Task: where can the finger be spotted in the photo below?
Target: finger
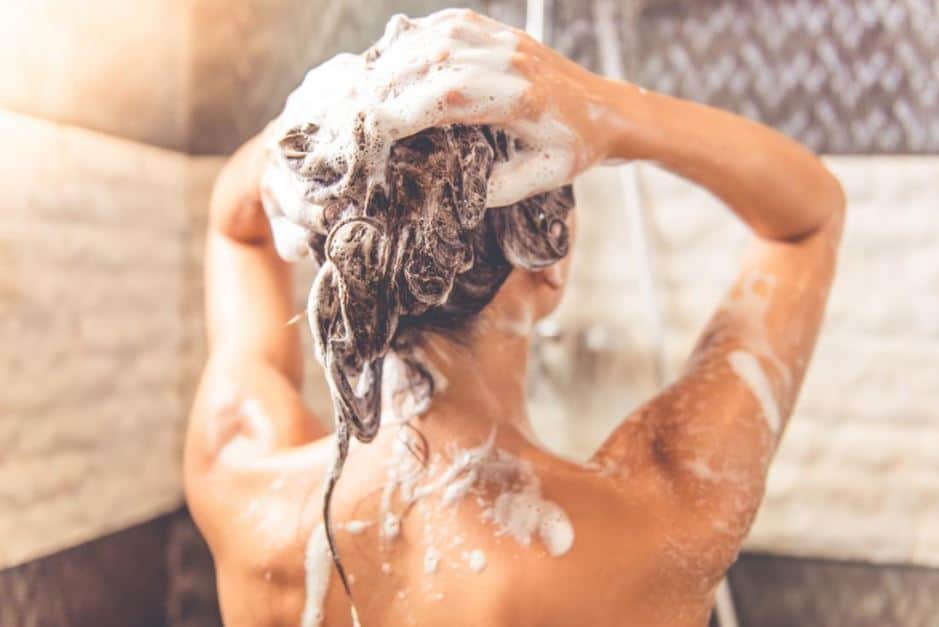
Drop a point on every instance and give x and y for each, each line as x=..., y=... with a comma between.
x=475, y=98
x=530, y=172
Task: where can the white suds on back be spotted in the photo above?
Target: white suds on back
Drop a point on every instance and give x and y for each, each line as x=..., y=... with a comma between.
x=524, y=513
x=390, y=526
x=518, y=509
x=519, y=514
x=459, y=488
x=748, y=368
x=431, y=560
x=476, y=560
x=318, y=565
x=356, y=527
x=555, y=529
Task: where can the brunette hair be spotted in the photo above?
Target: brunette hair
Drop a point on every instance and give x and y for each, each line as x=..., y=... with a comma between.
x=414, y=253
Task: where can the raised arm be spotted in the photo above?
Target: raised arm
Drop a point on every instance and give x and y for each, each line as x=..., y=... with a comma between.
x=248, y=403
x=713, y=432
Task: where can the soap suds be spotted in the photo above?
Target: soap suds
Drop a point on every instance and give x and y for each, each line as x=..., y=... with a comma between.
x=555, y=529
x=390, y=526
x=748, y=368
x=356, y=527
x=318, y=565
x=459, y=488
x=518, y=509
x=431, y=560
x=748, y=309
x=704, y=470
x=476, y=560
x=518, y=514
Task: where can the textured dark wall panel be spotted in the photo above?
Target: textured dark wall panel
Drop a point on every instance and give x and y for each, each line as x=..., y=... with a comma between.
x=115, y=581
x=774, y=591
x=191, y=599
x=842, y=77
x=157, y=574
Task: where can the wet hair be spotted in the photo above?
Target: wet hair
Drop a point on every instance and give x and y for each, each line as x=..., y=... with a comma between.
x=413, y=253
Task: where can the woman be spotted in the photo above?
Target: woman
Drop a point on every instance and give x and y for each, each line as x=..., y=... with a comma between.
x=457, y=517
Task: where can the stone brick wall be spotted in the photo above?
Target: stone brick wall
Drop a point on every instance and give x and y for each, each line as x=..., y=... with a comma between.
x=100, y=308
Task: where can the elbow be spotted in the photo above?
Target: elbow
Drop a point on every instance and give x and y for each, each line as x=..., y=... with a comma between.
x=237, y=213
x=825, y=204
x=235, y=207
x=836, y=207
x=835, y=199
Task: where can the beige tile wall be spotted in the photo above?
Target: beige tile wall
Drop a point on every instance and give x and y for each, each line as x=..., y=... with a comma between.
x=96, y=316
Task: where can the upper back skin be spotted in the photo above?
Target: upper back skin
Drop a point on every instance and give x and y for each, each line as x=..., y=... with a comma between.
x=625, y=566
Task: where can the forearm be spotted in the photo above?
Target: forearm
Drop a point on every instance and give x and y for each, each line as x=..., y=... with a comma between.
x=777, y=187
x=248, y=305
x=249, y=295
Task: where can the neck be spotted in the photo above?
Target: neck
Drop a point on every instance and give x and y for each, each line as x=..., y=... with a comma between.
x=483, y=383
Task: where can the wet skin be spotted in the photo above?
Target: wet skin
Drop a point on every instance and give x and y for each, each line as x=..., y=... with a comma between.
x=660, y=512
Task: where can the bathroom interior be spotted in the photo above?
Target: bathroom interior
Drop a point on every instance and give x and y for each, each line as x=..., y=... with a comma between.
x=116, y=118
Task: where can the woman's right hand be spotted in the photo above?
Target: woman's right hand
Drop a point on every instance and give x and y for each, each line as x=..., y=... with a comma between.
x=458, y=67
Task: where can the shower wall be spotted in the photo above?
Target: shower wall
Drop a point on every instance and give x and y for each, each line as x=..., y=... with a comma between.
x=110, y=153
